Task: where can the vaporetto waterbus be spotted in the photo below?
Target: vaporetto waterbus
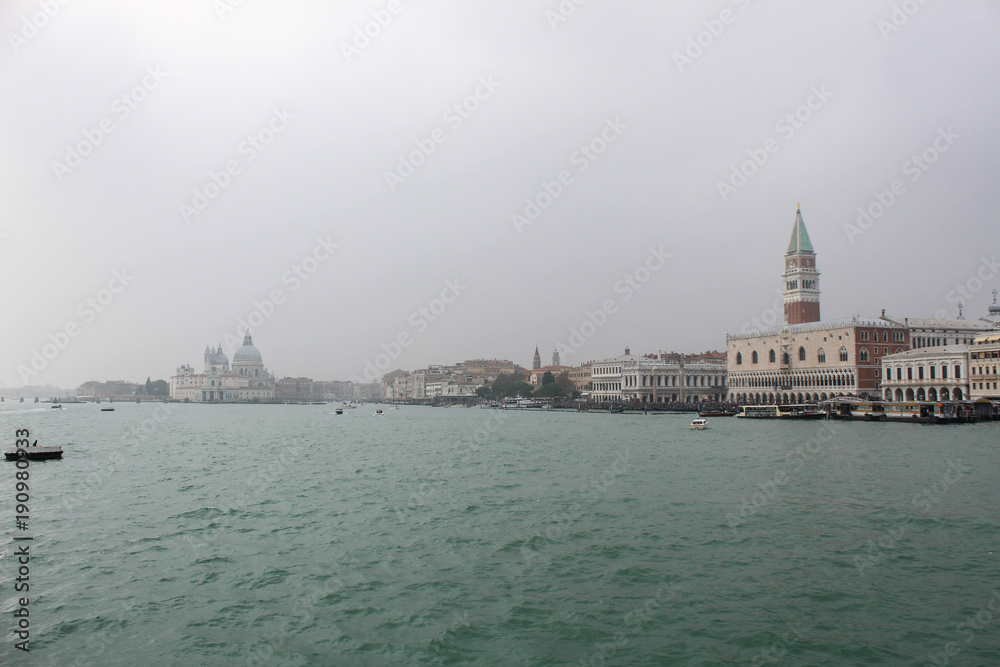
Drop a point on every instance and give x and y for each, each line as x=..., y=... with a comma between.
x=797, y=411
x=904, y=411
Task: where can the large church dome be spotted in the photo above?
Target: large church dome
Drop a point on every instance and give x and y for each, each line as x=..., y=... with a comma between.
x=247, y=352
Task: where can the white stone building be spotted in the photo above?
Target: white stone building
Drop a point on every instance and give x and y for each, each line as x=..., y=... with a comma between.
x=657, y=380
x=984, y=361
x=927, y=374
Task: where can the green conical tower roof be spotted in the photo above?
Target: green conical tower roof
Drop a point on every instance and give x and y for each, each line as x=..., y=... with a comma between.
x=800, y=237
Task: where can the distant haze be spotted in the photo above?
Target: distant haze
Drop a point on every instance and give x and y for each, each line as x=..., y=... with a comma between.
x=167, y=172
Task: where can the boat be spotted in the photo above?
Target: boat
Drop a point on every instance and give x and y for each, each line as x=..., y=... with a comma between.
x=798, y=411
x=57, y=407
x=918, y=412
x=699, y=424
x=378, y=413
x=339, y=411
x=34, y=453
x=395, y=407
x=107, y=409
x=717, y=413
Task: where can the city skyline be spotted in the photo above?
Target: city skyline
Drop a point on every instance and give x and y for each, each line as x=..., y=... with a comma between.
x=273, y=171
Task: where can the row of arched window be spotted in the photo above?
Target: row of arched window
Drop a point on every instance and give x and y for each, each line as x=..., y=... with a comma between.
x=772, y=356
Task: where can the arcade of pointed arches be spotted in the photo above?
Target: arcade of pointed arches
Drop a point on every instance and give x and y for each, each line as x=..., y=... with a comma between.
x=791, y=387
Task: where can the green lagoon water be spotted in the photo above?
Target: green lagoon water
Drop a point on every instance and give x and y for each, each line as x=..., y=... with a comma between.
x=288, y=535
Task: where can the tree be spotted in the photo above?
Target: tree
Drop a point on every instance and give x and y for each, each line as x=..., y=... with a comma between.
x=566, y=384
x=522, y=389
x=548, y=378
x=550, y=390
x=157, y=388
x=508, y=384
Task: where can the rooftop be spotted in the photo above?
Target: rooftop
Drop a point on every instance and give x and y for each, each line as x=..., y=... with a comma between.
x=927, y=352
x=819, y=326
x=800, y=237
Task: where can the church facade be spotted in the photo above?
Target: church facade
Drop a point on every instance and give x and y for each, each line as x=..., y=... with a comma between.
x=246, y=380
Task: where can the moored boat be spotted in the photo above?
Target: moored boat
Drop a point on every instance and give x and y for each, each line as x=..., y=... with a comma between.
x=798, y=411
x=905, y=411
x=34, y=453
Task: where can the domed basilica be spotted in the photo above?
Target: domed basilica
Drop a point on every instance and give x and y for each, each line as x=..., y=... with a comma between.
x=245, y=381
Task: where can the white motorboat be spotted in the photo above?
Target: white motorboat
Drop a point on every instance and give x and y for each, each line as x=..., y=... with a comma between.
x=699, y=424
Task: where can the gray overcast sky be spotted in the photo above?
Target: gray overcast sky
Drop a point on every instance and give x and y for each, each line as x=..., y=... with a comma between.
x=112, y=115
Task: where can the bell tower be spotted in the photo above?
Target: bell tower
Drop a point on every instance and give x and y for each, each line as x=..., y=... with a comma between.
x=800, y=276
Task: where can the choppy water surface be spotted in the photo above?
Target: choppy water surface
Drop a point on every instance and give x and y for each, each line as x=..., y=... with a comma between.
x=287, y=535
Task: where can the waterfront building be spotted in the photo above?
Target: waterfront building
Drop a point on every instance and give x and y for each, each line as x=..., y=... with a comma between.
x=581, y=376
x=368, y=391
x=938, y=332
x=606, y=377
x=812, y=362
x=807, y=359
x=246, y=380
x=489, y=367
x=110, y=389
x=938, y=373
x=295, y=389
x=984, y=360
x=395, y=384
x=654, y=380
x=659, y=378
